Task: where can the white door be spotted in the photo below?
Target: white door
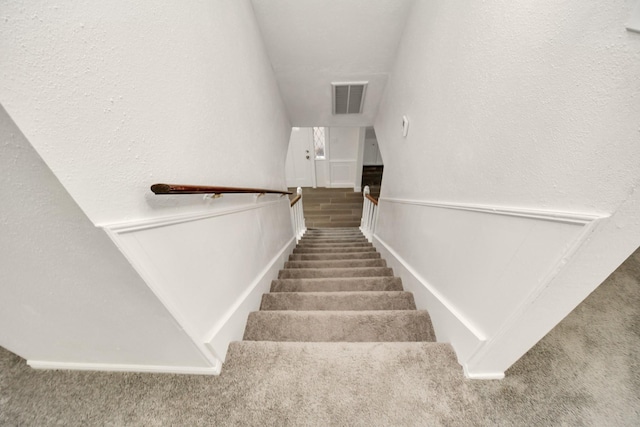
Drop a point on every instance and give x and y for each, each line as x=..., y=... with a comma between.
x=300, y=158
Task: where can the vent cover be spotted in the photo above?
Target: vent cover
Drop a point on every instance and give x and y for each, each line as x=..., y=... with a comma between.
x=348, y=98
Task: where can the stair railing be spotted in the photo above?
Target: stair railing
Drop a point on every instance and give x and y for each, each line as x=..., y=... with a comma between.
x=207, y=190
x=369, y=214
x=297, y=215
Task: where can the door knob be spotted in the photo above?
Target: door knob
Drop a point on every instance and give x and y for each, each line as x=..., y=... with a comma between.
x=307, y=157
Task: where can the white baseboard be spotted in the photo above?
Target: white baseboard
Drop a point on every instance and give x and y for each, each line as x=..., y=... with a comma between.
x=72, y=366
x=232, y=325
x=449, y=324
x=483, y=375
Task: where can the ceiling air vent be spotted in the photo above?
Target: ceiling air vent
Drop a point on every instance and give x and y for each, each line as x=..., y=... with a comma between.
x=348, y=98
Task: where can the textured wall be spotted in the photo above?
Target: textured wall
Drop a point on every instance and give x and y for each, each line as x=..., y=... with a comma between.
x=116, y=96
x=520, y=103
x=516, y=105
x=68, y=294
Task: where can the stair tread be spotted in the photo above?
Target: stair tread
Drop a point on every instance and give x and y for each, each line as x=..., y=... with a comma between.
x=337, y=284
x=283, y=355
x=338, y=301
x=336, y=263
x=350, y=326
x=302, y=273
x=333, y=256
x=333, y=240
x=333, y=244
x=299, y=250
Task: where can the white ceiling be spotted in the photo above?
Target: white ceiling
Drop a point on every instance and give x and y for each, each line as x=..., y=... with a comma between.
x=312, y=43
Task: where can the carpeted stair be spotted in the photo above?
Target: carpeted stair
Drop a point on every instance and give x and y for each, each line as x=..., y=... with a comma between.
x=336, y=295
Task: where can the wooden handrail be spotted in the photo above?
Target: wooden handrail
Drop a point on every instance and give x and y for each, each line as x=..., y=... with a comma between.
x=295, y=200
x=374, y=201
x=203, y=189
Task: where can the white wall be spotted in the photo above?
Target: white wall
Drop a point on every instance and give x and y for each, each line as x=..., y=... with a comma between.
x=343, y=160
x=516, y=107
x=372, y=156
x=313, y=43
x=210, y=270
x=115, y=97
x=68, y=295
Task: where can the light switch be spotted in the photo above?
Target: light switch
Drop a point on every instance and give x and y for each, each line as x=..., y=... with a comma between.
x=405, y=126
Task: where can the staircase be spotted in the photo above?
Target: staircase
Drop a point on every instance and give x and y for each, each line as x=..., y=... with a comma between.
x=336, y=297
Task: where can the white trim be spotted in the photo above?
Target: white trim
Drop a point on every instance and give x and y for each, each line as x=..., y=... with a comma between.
x=589, y=223
x=276, y=263
x=359, y=160
x=312, y=157
x=437, y=295
x=138, y=258
x=343, y=161
x=482, y=376
x=327, y=157
x=144, y=224
x=565, y=259
x=113, y=367
x=342, y=184
x=133, y=256
x=555, y=216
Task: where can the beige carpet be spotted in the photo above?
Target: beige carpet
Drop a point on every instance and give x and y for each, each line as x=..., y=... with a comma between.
x=585, y=372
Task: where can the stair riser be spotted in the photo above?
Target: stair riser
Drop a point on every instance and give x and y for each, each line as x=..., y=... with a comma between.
x=339, y=326
x=334, y=235
x=333, y=250
x=341, y=301
x=302, y=273
x=336, y=263
x=335, y=232
x=330, y=256
x=305, y=240
x=337, y=284
x=335, y=245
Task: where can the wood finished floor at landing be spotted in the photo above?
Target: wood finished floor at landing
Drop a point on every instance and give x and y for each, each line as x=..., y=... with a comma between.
x=331, y=207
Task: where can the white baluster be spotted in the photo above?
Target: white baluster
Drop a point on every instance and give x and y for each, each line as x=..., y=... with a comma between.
x=297, y=217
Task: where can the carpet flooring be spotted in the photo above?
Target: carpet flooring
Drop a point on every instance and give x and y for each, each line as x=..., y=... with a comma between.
x=584, y=372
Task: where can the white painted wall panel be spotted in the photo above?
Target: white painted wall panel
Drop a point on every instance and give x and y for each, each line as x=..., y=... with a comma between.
x=115, y=97
x=526, y=106
x=343, y=173
x=483, y=264
x=203, y=268
x=344, y=143
x=67, y=295
x=343, y=156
